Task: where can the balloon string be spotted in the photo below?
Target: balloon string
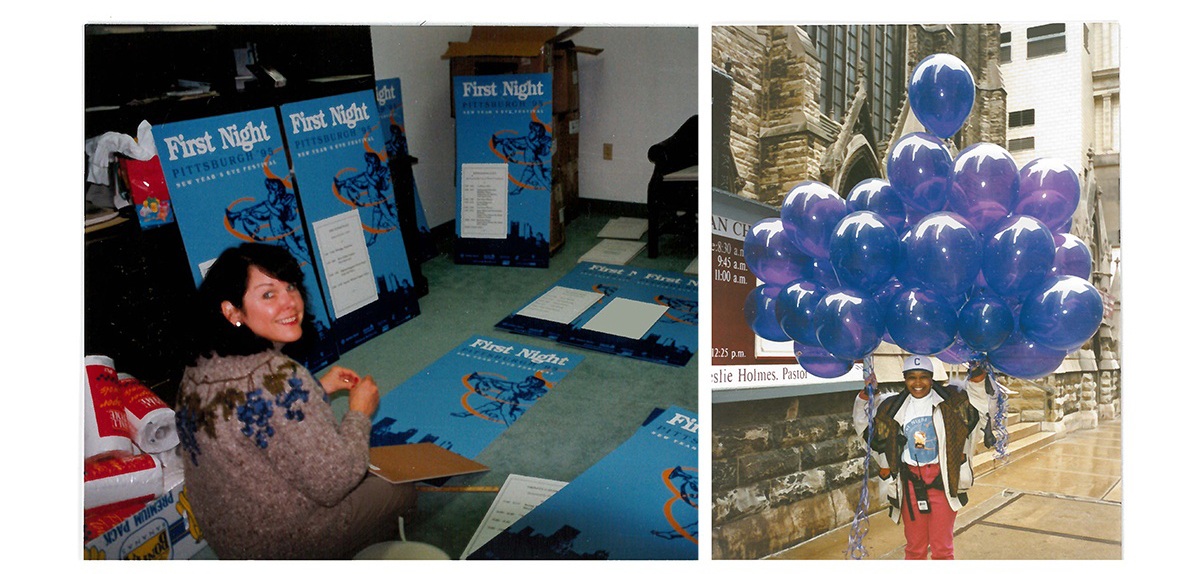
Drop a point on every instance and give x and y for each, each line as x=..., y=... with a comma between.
x=861, y=523
x=1001, y=399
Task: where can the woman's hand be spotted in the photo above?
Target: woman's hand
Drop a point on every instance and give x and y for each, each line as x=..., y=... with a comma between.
x=364, y=396
x=339, y=379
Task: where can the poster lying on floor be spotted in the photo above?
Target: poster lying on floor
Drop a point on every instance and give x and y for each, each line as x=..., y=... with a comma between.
x=470, y=396
x=504, y=146
x=345, y=187
x=391, y=114
x=228, y=179
x=639, y=313
x=637, y=503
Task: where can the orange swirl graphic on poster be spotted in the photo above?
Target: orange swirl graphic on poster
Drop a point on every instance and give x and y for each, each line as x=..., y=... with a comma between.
x=503, y=399
x=349, y=173
x=254, y=235
x=661, y=300
x=678, y=496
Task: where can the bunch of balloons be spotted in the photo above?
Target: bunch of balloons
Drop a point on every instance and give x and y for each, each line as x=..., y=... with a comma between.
x=967, y=258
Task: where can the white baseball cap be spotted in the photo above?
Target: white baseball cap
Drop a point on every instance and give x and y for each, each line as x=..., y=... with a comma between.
x=918, y=362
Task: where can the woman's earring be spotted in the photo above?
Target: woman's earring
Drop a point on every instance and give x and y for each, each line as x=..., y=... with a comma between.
x=237, y=324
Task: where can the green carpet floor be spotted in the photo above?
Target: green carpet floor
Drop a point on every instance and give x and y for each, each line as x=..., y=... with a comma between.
x=599, y=405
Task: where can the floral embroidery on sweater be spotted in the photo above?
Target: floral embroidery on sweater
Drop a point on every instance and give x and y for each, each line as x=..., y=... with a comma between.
x=253, y=408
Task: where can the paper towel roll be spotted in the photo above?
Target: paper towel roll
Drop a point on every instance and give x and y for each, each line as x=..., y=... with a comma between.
x=119, y=477
x=105, y=424
x=151, y=421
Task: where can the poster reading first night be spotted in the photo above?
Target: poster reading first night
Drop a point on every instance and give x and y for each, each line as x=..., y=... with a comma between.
x=342, y=177
x=391, y=114
x=504, y=143
x=228, y=179
x=640, y=502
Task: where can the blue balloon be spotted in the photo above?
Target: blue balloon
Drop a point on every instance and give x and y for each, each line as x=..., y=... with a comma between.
x=921, y=321
x=919, y=168
x=1017, y=255
x=820, y=362
x=1063, y=313
x=809, y=213
x=959, y=353
x=984, y=187
x=849, y=324
x=1071, y=257
x=795, y=309
x=943, y=254
x=985, y=322
x=820, y=271
x=1024, y=359
x=942, y=93
x=759, y=310
x=876, y=195
x=863, y=251
x=771, y=256
x=1049, y=192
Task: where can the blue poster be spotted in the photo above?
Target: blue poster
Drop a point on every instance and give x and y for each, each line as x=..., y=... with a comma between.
x=672, y=339
x=228, y=178
x=637, y=503
x=503, y=120
x=468, y=397
x=345, y=187
x=391, y=114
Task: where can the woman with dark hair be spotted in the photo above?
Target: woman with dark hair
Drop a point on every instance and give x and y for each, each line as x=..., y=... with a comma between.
x=269, y=471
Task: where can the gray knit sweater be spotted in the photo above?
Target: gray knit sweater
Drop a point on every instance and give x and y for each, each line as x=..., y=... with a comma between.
x=269, y=468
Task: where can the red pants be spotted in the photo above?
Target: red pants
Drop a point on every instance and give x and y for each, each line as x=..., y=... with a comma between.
x=934, y=530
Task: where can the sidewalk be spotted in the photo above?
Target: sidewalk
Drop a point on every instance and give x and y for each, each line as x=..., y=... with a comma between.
x=1059, y=501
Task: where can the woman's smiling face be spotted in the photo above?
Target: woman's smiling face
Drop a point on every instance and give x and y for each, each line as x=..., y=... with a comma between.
x=271, y=308
x=918, y=382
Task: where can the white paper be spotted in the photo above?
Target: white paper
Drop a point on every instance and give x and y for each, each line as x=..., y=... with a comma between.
x=625, y=228
x=517, y=497
x=483, y=208
x=613, y=251
x=560, y=304
x=342, y=247
x=626, y=318
x=693, y=268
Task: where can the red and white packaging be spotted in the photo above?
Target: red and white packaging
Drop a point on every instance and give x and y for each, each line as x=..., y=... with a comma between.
x=151, y=421
x=105, y=424
x=121, y=477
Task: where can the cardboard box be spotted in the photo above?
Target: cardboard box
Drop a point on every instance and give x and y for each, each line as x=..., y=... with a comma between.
x=566, y=161
x=163, y=529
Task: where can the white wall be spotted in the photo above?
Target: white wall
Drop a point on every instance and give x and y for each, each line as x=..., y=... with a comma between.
x=1053, y=86
x=634, y=94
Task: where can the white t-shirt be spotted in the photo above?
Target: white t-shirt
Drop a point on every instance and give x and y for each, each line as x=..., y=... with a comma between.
x=922, y=445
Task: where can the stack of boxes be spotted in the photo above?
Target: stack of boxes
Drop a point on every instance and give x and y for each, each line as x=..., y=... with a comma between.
x=493, y=50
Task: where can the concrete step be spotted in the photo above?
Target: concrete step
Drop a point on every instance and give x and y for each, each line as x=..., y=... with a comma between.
x=986, y=461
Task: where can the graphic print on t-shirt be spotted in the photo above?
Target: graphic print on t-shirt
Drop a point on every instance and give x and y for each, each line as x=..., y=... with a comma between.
x=922, y=440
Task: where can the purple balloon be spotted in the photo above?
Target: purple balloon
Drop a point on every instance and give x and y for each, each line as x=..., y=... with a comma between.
x=820, y=362
x=771, y=256
x=849, y=324
x=820, y=271
x=985, y=322
x=942, y=93
x=759, y=311
x=1063, y=313
x=1049, y=191
x=919, y=168
x=984, y=187
x=943, y=254
x=959, y=353
x=921, y=321
x=1024, y=359
x=863, y=250
x=876, y=195
x=1071, y=257
x=1018, y=255
x=810, y=212
x=795, y=308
